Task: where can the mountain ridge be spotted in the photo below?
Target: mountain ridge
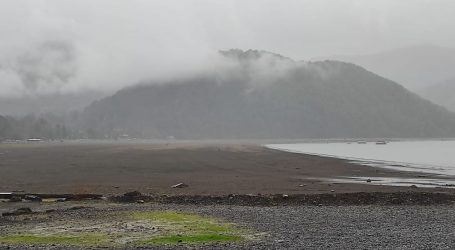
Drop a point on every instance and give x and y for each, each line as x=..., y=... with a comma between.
x=415, y=67
x=282, y=99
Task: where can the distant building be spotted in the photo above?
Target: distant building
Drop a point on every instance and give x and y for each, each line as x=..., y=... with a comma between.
x=34, y=140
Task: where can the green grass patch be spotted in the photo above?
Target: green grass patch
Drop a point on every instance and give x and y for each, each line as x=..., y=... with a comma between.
x=188, y=228
x=155, y=227
x=79, y=239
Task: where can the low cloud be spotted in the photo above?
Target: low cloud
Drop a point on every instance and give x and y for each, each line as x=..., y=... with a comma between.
x=49, y=66
x=70, y=46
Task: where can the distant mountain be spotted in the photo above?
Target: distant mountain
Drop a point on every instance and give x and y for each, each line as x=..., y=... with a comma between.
x=442, y=94
x=414, y=67
x=259, y=94
x=56, y=103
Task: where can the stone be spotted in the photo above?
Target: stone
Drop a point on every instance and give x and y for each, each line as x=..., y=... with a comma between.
x=15, y=199
x=133, y=194
x=77, y=208
x=32, y=198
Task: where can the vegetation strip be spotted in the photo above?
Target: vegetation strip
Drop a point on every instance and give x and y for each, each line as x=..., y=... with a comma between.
x=188, y=228
x=136, y=227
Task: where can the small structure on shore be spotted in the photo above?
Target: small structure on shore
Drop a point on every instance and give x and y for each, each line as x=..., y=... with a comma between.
x=34, y=140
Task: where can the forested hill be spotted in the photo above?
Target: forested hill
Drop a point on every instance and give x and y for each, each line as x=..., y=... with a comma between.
x=259, y=94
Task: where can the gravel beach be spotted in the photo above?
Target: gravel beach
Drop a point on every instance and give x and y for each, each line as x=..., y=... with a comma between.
x=299, y=227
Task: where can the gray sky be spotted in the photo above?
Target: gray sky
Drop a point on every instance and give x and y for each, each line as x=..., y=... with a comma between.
x=107, y=44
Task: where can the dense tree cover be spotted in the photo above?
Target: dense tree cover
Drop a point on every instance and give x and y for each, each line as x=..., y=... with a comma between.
x=20, y=128
x=253, y=95
x=268, y=96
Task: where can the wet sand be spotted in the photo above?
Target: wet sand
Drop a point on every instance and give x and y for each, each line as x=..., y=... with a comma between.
x=207, y=169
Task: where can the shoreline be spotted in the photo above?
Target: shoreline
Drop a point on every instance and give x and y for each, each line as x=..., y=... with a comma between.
x=324, y=199
x=280, y=197
x=206, y=169
x=429, y=175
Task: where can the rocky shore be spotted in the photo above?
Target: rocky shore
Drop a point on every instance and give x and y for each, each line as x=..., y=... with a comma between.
x=270, y=227
x=332, y=199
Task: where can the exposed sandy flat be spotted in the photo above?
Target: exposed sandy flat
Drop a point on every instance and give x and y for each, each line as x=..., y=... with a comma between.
x=215, y=169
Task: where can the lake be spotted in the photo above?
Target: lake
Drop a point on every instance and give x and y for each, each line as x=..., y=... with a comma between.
x=434, y=157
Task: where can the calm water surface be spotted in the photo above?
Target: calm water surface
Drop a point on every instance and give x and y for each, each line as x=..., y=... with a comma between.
x=432, y=157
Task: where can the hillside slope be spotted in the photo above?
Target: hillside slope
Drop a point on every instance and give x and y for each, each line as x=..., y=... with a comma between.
x=263, y=95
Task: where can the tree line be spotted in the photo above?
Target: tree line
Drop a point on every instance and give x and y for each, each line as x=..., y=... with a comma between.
x=31, y=126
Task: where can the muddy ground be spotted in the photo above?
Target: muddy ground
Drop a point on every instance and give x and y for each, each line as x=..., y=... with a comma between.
x=207, y=169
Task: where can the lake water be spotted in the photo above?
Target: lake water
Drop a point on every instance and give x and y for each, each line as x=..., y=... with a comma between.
x=431, y=157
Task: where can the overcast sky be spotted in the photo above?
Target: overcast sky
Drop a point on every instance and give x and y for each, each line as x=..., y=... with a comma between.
x=106, y=44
